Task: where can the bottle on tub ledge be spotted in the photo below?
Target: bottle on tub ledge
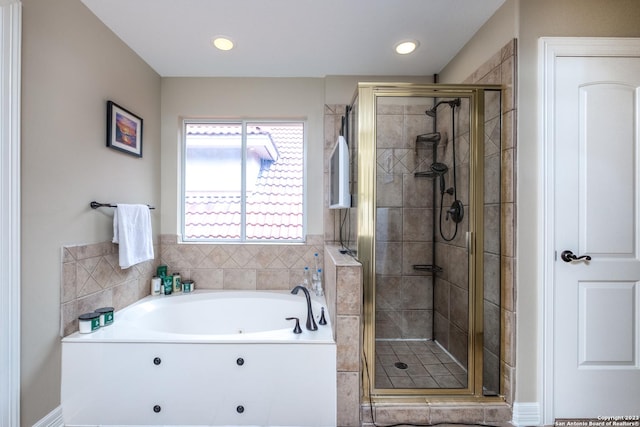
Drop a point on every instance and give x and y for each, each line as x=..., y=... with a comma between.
x=177, y=282
x=307, y=282
x=188, y=285
x=156, y=285
x=317, y=283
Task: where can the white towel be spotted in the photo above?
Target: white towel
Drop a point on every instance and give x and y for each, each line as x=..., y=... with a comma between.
x=132, y=232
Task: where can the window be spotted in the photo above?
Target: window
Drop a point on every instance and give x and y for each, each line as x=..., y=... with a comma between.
x=243, y=181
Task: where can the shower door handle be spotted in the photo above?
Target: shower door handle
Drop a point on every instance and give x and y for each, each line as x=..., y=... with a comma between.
x=568, y=256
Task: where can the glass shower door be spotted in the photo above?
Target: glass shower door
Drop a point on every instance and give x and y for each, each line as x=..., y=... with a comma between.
x=421, y=267
x=429, y=161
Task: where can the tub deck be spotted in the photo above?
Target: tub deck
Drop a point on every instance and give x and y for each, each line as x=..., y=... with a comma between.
x=234, y=317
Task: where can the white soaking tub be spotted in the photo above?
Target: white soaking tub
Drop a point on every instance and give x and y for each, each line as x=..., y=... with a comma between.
x=205, y=358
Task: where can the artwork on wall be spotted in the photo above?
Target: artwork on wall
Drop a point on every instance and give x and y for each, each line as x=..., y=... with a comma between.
x=124, y=130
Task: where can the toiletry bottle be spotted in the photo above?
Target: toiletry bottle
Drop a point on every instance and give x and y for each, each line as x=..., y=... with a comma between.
x=316, y=260
x=167, y=282
x=177, y=283
x=156, y=285
x=306, y=279
x=317, y=283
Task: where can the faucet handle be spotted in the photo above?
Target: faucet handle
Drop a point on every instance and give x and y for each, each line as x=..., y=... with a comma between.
x=323, y=320
x=296, y=329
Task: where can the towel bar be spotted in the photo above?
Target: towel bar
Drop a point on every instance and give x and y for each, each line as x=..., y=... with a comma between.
x=96, y=205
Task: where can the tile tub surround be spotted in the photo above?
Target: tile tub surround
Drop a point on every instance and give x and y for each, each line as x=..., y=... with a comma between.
x=233, y=266
x=92, y=278
x=343, y=278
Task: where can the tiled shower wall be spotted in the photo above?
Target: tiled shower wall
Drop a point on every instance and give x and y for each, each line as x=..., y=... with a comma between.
x=451, y=306
x=501, y=69
x=91, y=277
x=404, y=212
x=451, y=286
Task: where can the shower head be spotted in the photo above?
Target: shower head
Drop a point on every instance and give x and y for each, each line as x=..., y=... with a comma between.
x=452, y=103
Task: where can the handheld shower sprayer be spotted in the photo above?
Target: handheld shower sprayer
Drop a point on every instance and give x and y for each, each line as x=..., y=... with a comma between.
x=439, y=170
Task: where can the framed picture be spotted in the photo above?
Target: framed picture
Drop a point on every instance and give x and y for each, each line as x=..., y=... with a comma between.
x=124, y=130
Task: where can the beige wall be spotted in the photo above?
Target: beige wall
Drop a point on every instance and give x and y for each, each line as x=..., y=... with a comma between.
x=71, y=65
x=501, y=28
x=341, y=89
x=528, y=20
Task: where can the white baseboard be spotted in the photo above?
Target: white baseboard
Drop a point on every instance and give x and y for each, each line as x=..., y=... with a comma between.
x=52, y=419
x=526, y=414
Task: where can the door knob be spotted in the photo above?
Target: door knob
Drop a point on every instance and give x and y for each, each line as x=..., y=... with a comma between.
x=568, y=256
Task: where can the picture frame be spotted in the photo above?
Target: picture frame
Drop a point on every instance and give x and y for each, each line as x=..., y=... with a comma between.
x=124, y=130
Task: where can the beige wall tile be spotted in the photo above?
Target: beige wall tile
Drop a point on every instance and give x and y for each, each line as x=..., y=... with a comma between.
x=457, y=413
x=69, y=318
x=402, y=414
x=348, y=340
x=206, y=278
x=272, y=279
x=497, y=413
x=125, y=294
x=241, y=279
x=349, y=294
x=68, y=292
x=348, y=399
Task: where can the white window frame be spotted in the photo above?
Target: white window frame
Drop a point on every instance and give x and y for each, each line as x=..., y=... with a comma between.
x=243, y=123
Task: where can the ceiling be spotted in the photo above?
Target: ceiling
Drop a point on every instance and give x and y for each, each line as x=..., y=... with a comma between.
x=294, y=38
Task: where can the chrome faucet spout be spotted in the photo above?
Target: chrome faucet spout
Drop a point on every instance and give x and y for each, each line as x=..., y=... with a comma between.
x=311, y=323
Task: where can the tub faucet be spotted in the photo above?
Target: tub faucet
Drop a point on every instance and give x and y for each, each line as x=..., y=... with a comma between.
x=311, y=323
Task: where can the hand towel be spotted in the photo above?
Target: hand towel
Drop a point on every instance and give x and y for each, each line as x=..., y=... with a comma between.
x=132, y=232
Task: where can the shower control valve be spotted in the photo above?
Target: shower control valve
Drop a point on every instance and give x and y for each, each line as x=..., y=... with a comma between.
x=456, y=211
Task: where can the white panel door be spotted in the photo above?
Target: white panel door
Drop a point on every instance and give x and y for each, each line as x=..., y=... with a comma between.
x=596, y=302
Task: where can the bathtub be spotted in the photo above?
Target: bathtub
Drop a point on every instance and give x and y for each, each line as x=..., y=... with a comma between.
x=204, y=358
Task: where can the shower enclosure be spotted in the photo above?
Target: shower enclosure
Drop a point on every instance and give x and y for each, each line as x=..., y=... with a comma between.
x=429, y=238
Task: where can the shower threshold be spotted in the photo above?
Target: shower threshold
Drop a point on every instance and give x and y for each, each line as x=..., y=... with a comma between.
x=431, y=268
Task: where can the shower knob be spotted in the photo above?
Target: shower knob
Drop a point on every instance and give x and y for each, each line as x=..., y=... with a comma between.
x=456, y=212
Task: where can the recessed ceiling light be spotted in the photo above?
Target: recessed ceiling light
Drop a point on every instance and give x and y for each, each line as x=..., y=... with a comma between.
x=223, y=42
x=406, y=46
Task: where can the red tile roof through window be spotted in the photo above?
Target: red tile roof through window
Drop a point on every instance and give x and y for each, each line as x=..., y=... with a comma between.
x=274, y=208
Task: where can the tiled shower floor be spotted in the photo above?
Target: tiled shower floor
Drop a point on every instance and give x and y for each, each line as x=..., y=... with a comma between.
x=427, y=366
